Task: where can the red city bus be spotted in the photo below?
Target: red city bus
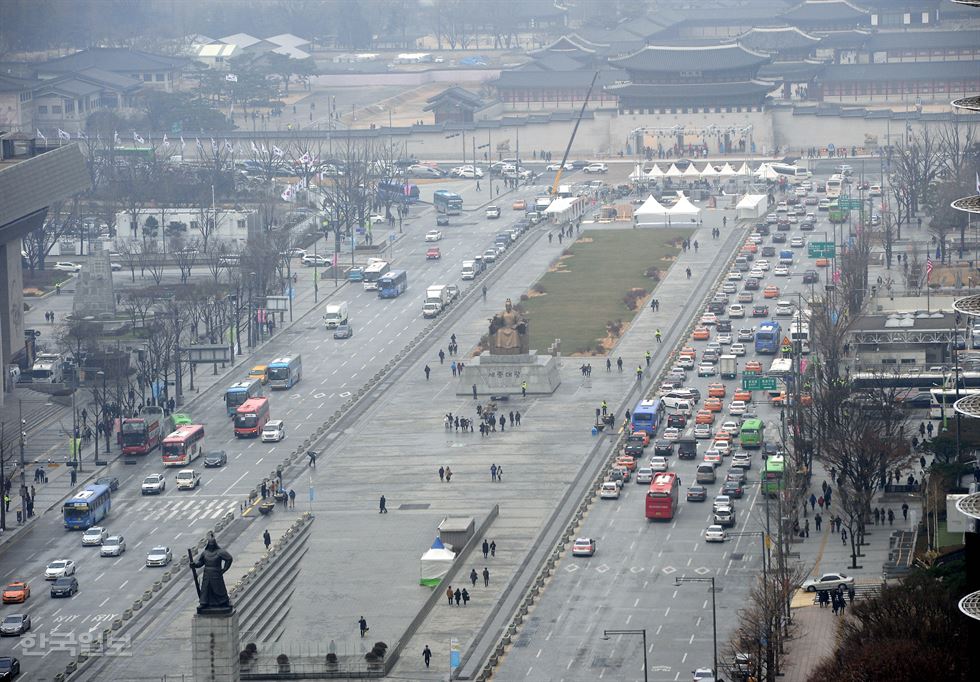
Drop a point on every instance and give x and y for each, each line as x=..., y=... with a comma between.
x=183, y=446
x=250, y=417
x=663, y=496
x=139, y=435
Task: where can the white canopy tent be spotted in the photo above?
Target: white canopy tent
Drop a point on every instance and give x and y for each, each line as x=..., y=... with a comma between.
x=751, y=207
x=709, y=172
x=683, y=208
x=692, y=173
x=652, y=212
x=656, y=173
x=435, y=564
x=744, y=169
x=727, y=171
x=638, y=174
x=673, y=171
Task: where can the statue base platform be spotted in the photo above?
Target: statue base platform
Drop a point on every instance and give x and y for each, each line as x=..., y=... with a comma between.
x=215, y=647
x=504, y=374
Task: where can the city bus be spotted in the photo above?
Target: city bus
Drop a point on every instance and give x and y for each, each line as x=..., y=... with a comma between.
x=374, y=272
x=393, y=284
x=447, y=202
x=909, y=378
x=799, y=332
x=792, y=175
x=143, y=433
x=772, y=475
x=780, y=367
x=942, y=400
x=767, y=337
x=752, y=434
x=87, y=507
x=250, y=417
x=237, y=394
x=663, y=495
x=183, y=446
x=285, y=371
x=647, y=416
x=833, y=186
x=398, y=192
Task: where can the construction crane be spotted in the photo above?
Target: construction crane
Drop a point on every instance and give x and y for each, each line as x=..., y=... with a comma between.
x=564, y=158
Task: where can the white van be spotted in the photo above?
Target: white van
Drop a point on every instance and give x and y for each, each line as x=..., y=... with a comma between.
x=273, y=431
x=469, y=270
x=188, y=479
x=336, y=315
x=676, y=400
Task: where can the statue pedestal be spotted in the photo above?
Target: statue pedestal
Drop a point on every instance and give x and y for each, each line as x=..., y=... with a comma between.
x=504, y=374
x=215, y=646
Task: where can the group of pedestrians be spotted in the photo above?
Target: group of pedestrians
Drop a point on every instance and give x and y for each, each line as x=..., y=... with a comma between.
x=49, y=317
x=838, y=598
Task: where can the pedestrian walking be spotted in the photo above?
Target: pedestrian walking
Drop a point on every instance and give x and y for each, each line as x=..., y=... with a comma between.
x=639, y=373
x=493, y=477
x=474, y=392
x=843, y=536
x=813, y=501
x=523, y=389
x=457, y=595
x=688, y=271
x=449, y=594
x=466, y=596
x=820, y=501
x=449, y=474
x=648, y=356
x=502, y=422
x=517, y=418
x=850, y=593
x=922, y=429
x=267, y=539
x=383, y=509
x=442, y=356
x=511, y=415
x=806, y=528
x=453, y=367
x=822, y=598
x=493, y=548
x=74, y=476
x=292, y=499
x=362, y=624
x=834, y=602
x=891, y=517
x=500, y=473
x=877, y=517
x=312, y=456
x=426, y=655
x=905, y=508
x=608, y=365
x=817, y=521
x=929, y=430
x=659, y=340
x=484, y=292
x=486, y=577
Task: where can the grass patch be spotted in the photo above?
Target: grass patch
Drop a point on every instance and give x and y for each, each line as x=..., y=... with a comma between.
x=589, y=297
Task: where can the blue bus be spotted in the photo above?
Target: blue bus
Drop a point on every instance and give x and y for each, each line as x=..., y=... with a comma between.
x=398, y=192
x=447, y=202
x=767, y=337
x=393, y=284
x=238, y=393
x=647, y=416
x=87, y=507
x=285, y=371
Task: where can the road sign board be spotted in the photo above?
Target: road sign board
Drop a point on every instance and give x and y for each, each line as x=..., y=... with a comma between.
x=758, y=383
x=820, y=249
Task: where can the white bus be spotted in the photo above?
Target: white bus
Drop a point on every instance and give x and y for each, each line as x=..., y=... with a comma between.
x=374, y=272
x=794, y=174
x=800, y=331
x=943, y=399
x=833, y=186
x=780, y=367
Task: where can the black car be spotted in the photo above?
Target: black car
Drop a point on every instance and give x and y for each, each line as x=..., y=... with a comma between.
x=763, y=229
x=811, y=276
x=695, y=394
x=697, y=493
x=768, y=252
x=760, y=311
x=732, y=489
x=769, y=449
x=633, y=449
x=717, y=307
x=751, y=284
x=782, y=226
x=216, y=458
x=779, y=238
x=663, y=448
x=110, y=481
x=807, y=226
x=442, y=221
x=64, y=587
x=9, y=667
x=677, y=421
x=723, y=326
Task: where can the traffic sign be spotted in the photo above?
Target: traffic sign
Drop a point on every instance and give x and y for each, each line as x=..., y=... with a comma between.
x=821, y=249
x=758, y=383
x=847, y=204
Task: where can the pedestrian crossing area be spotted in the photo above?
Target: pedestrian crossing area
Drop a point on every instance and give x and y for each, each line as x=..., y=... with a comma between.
x=188, y=510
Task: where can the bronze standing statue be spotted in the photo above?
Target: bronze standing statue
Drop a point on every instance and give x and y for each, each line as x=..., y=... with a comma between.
x=211, y=590
x=509, y=332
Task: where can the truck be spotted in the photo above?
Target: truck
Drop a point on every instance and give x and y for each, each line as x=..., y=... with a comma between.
x=47, y=368
x=542, y=203
x=437, y=297
x=469, y=270
x=336, y=314
x=728, y=366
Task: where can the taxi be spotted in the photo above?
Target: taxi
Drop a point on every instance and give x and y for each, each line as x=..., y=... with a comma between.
x=16, y=592
x=713, y=404
x=716, y=390
x=688, y=352
x=625, y=462
x=751, y=248
x=702, y=333
x=743, y=395
x=770, y=292
x=822, y=262
x=777, y=398
x=753, y=366
x=519, y=205
x=704, y=417
x=641, y=437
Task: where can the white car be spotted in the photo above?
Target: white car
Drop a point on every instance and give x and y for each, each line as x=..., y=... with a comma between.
x=703, y=675
x=722, y=502
x=708, y=319
x=706, y=370
x=797, y=242
x=734, y=276
x=159, y=556
x=737, y=349
x=702, y=431
x=725, y=339
x=724, y=446
x=658, y=464
x=781, y=271
x=644, y=475
x=737, y=408
x=784, y=309
x=154, y=484
x=596, y=168
x=741, y=460
x=116, y=267
x=273, y=431
x=729, y=288
x=762, y=264
x=583, y=547
x=828, y=581
x=729, y=426
x=310, y=260
x=376, y=218
x=736, y=310
x=609, y=491
x=685, y=362
x=114, y=545
x=67, y=266
x=672, y=433
x=433, y=235
x=94, y=536
x=558, y=166
x=59, y=568
x=874, y=191
x=755, y=238
x=715, y=533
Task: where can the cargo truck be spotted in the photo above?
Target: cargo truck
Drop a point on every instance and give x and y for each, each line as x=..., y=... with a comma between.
x=728, y=366
x=437, y=297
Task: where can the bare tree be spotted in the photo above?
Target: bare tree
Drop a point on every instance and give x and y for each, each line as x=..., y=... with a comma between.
x=39, y=242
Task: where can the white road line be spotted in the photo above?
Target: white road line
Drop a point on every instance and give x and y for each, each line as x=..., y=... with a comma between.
x=124, y=583
x=97, y=578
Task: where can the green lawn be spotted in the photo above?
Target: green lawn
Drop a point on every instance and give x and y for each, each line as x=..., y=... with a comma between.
x=587, y=289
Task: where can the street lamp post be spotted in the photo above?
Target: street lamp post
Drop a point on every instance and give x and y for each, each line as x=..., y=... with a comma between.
x=643, y=633
x=714, y=613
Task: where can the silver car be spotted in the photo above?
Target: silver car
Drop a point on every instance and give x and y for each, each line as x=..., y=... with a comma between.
x=114, y=545
x=159, y=556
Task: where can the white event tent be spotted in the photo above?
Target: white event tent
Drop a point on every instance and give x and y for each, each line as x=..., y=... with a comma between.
x=652, y=212
x=751, y=207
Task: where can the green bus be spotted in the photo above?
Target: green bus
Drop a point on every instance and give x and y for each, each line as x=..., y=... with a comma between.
x=751, y=434
x=772, y=476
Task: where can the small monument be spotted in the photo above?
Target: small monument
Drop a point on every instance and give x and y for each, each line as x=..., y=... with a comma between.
x=509, y=364
x=93, y=291
x=214, y=629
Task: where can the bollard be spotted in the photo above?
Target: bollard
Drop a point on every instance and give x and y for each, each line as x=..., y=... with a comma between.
x=127, y=614
x=157, y=586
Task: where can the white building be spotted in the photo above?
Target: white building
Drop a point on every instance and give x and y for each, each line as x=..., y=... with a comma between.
x=231, y=226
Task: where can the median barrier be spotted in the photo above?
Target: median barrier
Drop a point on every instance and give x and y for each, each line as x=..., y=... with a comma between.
x=127, y=614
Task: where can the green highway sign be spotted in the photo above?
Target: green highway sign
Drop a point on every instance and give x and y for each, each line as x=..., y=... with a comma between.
x=758, y=383
x=820, y=249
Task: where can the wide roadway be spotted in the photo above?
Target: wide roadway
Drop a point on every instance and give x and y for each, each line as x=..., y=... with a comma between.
x=630, y=582
x=332, y=371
